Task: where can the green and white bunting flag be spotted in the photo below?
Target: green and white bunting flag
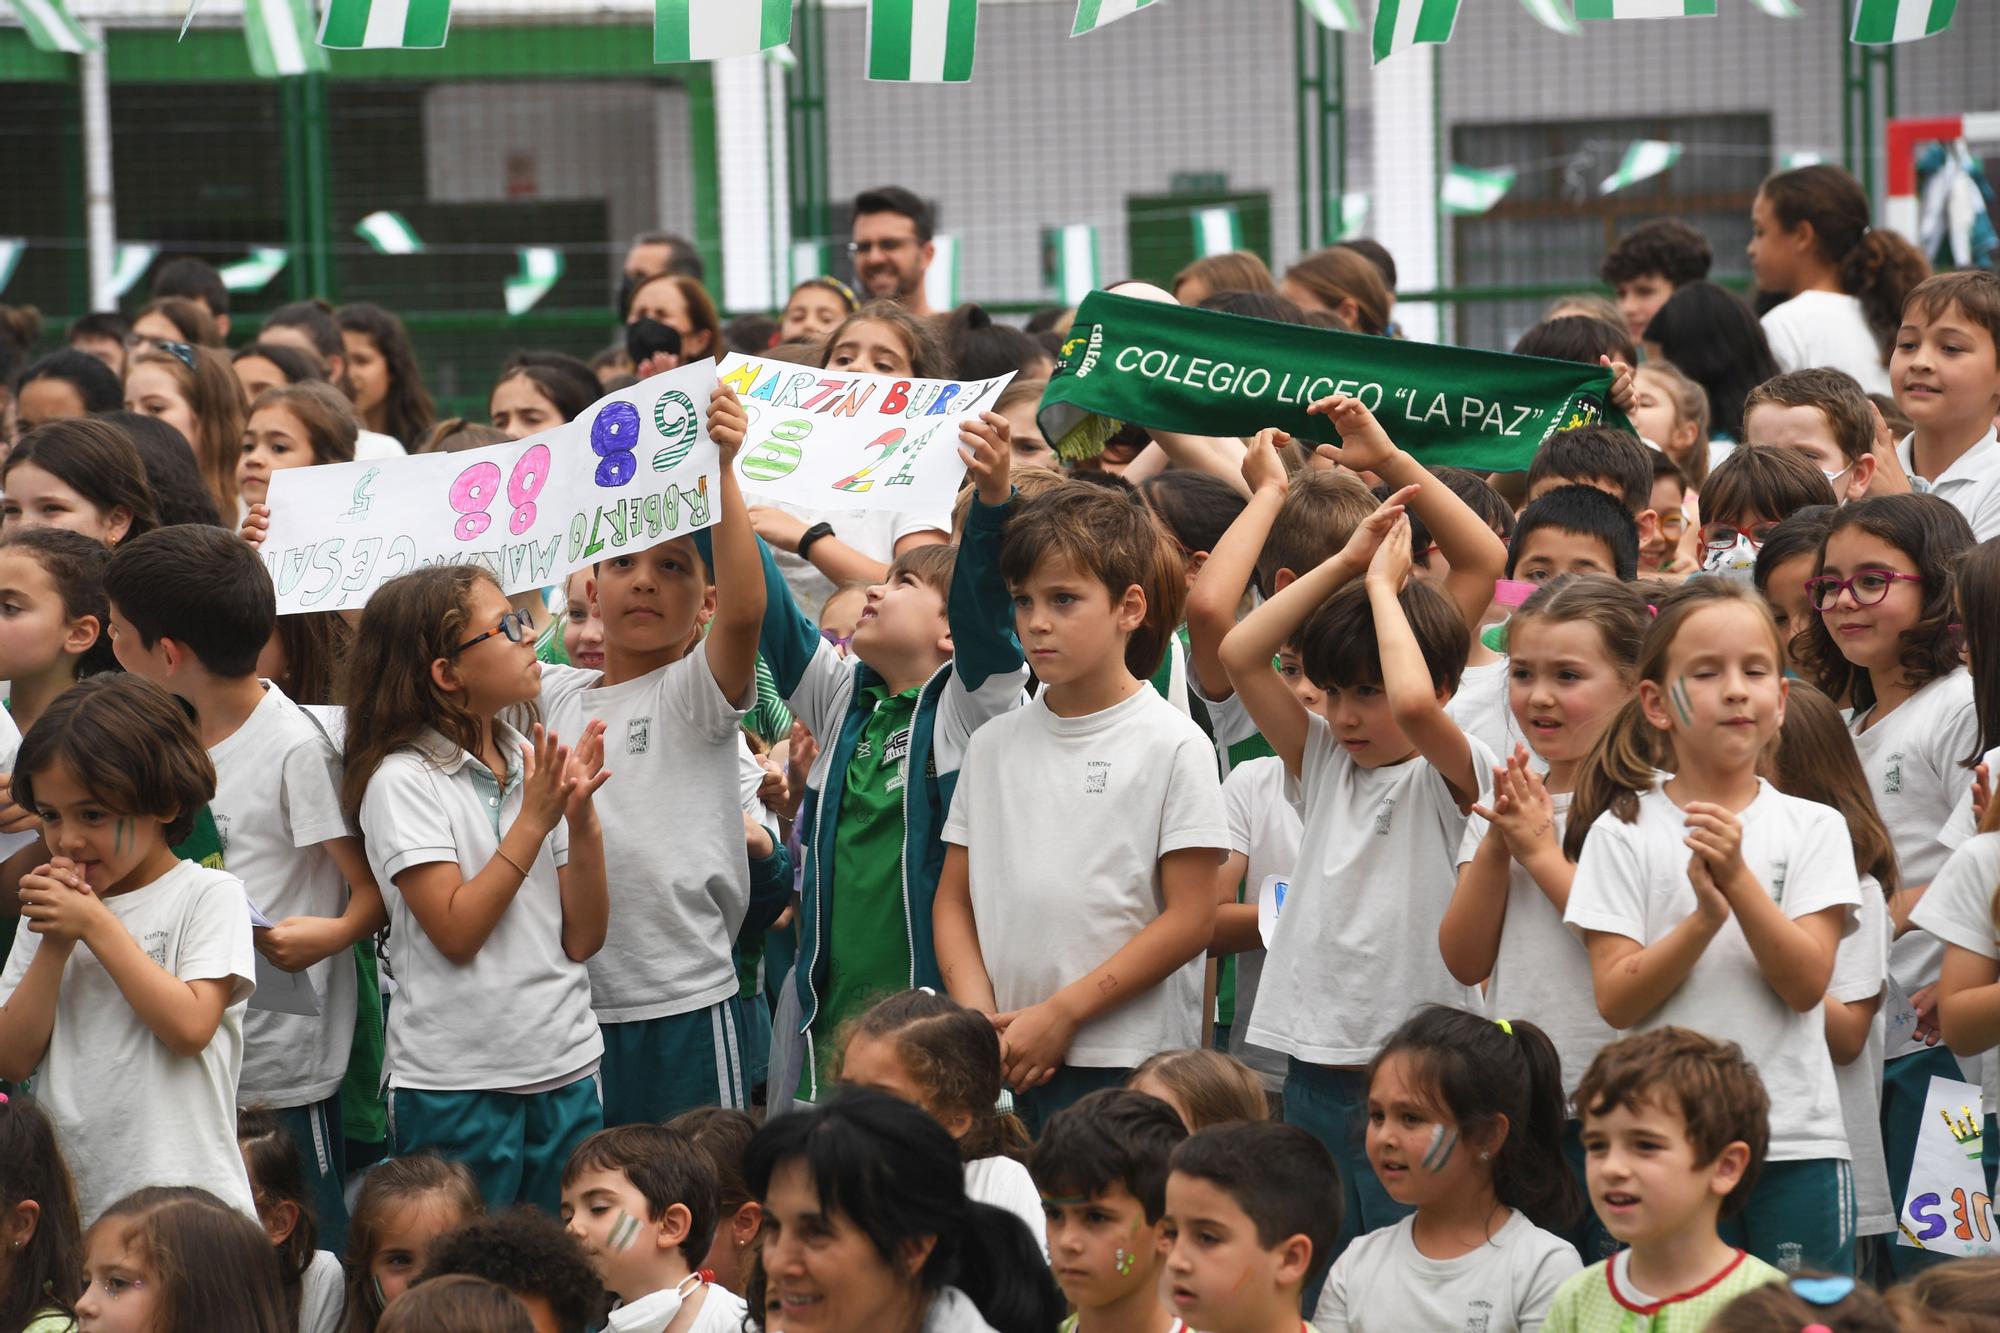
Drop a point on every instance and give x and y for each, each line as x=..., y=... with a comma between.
x=921, y=41
x=1553, y=15
x=1094, y=14
x=354, y=25
x=389, y=233
x=1804, y=157
x=255, y=273
x=811, y=259
x=1333, y=15
x=129, y=265
x=11, y=250
x=188, y=22
x=1644, y=159
x=1217, y=231
x=279, y=34
x=1469, y=191
x=50, y=28
x=717, y=29
x=1645, y=9
x=1353, y=213
x=1074, y=250
x=1882, y=22
x=782, y=57
x=541, y=269
x=1402, y=24
x=941, y=278
x=1778, y=9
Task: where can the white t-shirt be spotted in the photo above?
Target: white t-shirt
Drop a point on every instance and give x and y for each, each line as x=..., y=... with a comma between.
x=1816, y=329
x=1972, y=484
x=1542, y=971
x=1356, y=947
x=374, y=444
x=1960, y=824
x=1632, y=880
x=873, y=532
x=277, y=798
x=1480, y=707
x=129, y=1111
x=518, y=1015
x=1005, y=1183
x=10, y=745
x=1958, y=909
x=722, y=1311
x=1065, y=820
x=672, y=743
x=1229, y=722
x=322, y=1294
x=1265, y=827
x=1912, y=762
x=1383, y=1283
x=1861, y=970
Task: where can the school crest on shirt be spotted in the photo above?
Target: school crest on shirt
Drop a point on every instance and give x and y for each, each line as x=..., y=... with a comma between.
x=638, y=735
x=1892, y=775
x=1383, y=813
x=155, y=945
x=1778, y=882
x=1096, y=777
x=222, y=831
x=895, y=756
x=1478, y=1316
x=1791, y=1256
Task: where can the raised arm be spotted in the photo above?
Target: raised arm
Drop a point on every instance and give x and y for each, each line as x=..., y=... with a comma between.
x=1414, y=699
x=977, y=607
x=1218, y=589
x=731, y=645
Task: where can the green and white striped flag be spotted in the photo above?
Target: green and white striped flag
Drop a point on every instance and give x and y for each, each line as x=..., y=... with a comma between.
x=1553, y=15
x=1882, y=22
x=1094, y=14
x=279, y=35
x=1644, y=159
x=255, y=273
x=50, y=28
x=389, y=233
x=1778, y=9
x=11, y=250
x=717, y=29
x=941, y=278
x=811, y=259
x=1353, y=213
x=129, y=265
x=541, y=269
x=1470, y=191
x=782, y=57
x=356, y=25
x=1217, y=231
x=1402, y=24
x=1075, y=250
x=921, y=41
x=1333, y=15
x=1645, y=9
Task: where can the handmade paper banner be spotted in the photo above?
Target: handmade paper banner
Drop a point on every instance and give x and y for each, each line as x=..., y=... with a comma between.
x=1946, y=1208
x=635, y=470
x=1208, y=373
x=836, y=439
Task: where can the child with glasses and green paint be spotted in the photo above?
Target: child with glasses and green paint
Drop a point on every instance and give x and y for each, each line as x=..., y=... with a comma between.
x=487, y=847
x=1881, y=638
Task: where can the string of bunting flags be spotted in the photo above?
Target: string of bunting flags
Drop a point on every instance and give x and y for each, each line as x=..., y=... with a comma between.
x=908, y=41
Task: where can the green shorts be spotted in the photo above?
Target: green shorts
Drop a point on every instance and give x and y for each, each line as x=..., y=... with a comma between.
x=514, y=1143
x=316, y=1129
x=656, y=1068
x=1800, y=1217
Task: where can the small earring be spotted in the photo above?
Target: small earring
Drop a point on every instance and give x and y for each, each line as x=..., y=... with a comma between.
x=1486, y=1157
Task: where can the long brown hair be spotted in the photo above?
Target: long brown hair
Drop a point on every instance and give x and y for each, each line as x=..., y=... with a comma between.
x=48, y=1271
x=278, y=1175
x=1815, y=760
x=1214, y=1088
x=1959, y=1297
x=214, y=1268
x=407, y=408
x=390, y=1185
x=1977, y=589
x=953, y=1054
x=215, y=396
x=1874, y=265
x=328, y=418
x=928, y=358
x=1338, y=274
x=391, y=699
x=1621, y=766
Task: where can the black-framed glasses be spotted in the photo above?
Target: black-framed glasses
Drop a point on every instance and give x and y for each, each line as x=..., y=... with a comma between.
x=1722, y=536
x=518, y=626
x=1867, y=588
x=888, y=247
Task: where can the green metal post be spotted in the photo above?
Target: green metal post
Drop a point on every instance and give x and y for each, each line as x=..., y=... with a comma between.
x=706, y=168
x=1864, y=71
x=805, y=106
x=308, y=224
x=1322, y=129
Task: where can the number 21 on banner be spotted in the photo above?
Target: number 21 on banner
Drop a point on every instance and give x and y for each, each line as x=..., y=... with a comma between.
x=888, y=442
x=474, y=490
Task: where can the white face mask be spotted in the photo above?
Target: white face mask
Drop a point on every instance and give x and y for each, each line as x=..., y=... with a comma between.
x=1738, y=561
x=655, y=1310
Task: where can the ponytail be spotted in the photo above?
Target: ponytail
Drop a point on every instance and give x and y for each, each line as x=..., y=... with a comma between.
x=1880, y=272
x=1618, y=769
x=1530, y=1172
x=1876, y=267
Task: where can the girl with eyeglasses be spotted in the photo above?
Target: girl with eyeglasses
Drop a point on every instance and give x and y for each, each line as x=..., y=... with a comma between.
x=487, y=847
x=1883, y=638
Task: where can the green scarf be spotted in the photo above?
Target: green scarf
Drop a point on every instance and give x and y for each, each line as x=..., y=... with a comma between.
x=1208, y=373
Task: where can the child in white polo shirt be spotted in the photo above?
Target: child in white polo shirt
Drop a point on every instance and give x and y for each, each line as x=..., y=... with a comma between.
x=488, y=852
x=1945, y=371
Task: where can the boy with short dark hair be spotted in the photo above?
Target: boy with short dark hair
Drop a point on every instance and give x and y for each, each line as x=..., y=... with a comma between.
x=1573, y=530
x=1823, y=414
x=1649, y=263
x=1612, y=460
x=643, y=1202
x=1674, y=1130
x=1945, y=370
x=527, y=1252
x=191, y=608
x=1252, y=1212
x=1101, y=1167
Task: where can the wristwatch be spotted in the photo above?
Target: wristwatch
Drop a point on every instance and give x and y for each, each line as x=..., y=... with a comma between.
x=811, y=535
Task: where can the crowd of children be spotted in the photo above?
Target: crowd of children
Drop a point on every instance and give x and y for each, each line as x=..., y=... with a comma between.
x=1221, y=885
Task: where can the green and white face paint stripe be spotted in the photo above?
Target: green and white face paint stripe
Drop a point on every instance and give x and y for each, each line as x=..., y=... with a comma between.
x=1644, y=159
x=11, y=250
x=353, y=25
x=623, y=1232
x=717, y=29
x=1884, y=22
x=941, y=278
x=1444, y=1142
x=922, y=41
x=1094, y=14
x=541, y=269
x=1470, y=191
x=1333, y=15
x=1402, y=24
x=1644, y=9
x=1217, y=231
x=389, y=233
x=255, y=273
x=279, y=35
x=130, y=264
x=50, y=27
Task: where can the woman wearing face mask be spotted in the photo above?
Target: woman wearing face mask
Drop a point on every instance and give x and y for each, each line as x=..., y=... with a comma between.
x=867, y=1229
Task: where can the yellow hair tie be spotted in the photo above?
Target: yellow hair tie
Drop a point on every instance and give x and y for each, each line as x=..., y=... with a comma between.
x=1504, y=1026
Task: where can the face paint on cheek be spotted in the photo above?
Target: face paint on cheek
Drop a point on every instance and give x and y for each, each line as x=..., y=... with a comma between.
x=1122, y=1260
x=121, y=833
x=1679, y=694
x=623, y=1232
x=1443, y=1143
